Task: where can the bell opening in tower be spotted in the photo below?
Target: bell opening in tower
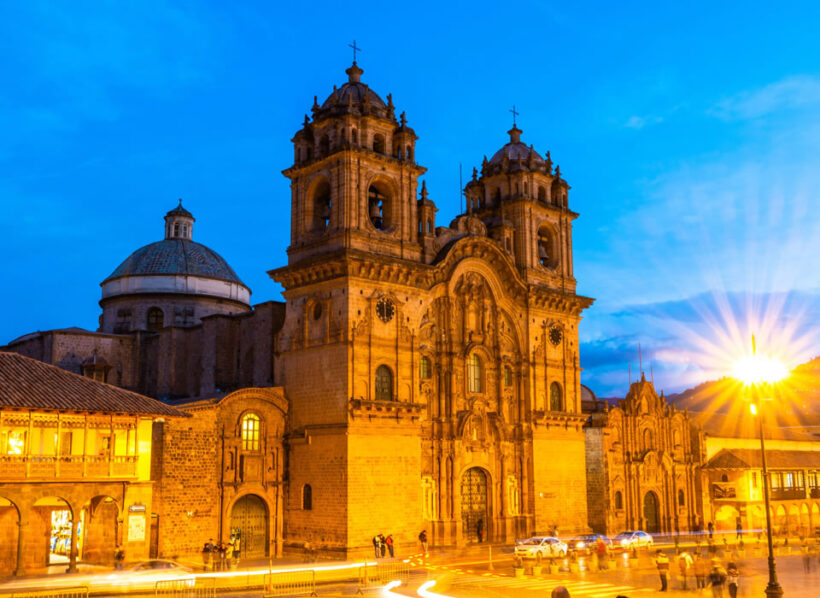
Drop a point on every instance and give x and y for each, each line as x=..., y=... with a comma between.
x=377, y=202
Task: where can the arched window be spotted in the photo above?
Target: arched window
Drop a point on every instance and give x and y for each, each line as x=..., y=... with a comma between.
x=497, y=196
x=474, y=373
x=384, y=383
x=507, y=376
x=307, y=497
x=542, y=195
x=681, y=499
x=725, y=478
x=647, y=439
x=377, y=206
x=378, y=143
x=545, y=257
x=176, y=229
x=355, y=136
x=324, y=146
x=321, y=205
x=409, y=153
x=430, y=226
x=556, y=398
x=250, y=432
x=425, y=368
x=155, y=319
x=619, y=500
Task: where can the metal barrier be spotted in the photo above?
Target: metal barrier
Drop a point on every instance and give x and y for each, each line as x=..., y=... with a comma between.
x=381, y=574
x=291, y=583
x=78, y=592
x=189, y=587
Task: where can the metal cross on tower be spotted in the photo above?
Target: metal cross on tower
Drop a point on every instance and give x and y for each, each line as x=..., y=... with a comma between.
x=514, y=113
x=355, y=49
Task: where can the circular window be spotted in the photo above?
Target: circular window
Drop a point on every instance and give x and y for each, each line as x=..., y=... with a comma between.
x=317, y=311
x=385, y=309
x=556, y=335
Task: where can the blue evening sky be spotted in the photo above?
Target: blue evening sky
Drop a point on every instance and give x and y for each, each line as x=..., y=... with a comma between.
x=690, y=133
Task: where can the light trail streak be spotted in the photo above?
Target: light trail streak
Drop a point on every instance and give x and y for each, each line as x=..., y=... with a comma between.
x=424, y=590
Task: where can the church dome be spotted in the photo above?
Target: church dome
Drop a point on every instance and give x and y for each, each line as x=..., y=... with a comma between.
x=515, y=150
x=176, y=265
x=354, y=97
x=176, y=257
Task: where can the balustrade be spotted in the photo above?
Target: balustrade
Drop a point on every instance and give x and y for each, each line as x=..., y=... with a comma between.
x=13, y=467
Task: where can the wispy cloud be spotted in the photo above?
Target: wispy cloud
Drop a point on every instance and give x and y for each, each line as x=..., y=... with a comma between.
x=793, y=92
x=639, y=122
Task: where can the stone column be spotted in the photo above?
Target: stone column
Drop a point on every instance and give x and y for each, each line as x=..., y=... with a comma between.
x=72, y=560
x=21, y=526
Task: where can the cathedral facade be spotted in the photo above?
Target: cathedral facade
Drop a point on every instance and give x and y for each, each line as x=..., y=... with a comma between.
x=643, y=464
x=416, y=377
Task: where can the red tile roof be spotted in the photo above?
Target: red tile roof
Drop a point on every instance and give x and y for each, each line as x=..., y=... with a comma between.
x=26, y=383
x=738, y=458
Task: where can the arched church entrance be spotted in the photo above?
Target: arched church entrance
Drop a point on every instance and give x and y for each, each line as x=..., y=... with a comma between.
x=651, y=513
x=249, y=522
x=474, y=504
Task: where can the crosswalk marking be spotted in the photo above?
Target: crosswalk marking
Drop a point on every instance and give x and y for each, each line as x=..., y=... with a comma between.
x=588, y=589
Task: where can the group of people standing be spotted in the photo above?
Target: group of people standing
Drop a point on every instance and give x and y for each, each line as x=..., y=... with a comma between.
x=221, y=556
x=383, y=545
x=706, y=573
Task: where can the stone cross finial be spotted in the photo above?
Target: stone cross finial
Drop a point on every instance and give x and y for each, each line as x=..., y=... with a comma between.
x=514, y=113
x=355, y=49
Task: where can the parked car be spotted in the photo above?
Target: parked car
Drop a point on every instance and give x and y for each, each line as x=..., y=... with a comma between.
x=540, y=547
x=633, y=539
x=145, y=575
x=587, y=543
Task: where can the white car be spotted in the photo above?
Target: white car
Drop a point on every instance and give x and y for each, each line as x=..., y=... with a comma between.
x=540, y=547
x=635, y=539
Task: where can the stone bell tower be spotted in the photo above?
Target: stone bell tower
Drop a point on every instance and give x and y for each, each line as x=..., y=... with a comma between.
x=354, y=177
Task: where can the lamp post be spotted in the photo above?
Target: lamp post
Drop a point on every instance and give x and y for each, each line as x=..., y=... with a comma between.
x=754, y=372
x=773, y=589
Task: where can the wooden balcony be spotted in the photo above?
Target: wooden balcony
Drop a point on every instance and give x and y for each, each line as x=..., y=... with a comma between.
x=54, y=467
x=788, y=493
x=722, y=490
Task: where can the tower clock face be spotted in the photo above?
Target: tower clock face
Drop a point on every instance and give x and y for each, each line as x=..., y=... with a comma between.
x=556, y=335
x=385, y=309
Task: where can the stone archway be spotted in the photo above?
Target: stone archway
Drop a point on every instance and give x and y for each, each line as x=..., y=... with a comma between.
x=9, y=536
x=98, y=533
x=474, y=509
x=249, y=522
x=651, y=513
x=50, y=523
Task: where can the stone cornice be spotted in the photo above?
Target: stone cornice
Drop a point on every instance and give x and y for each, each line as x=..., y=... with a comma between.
x=349, y=151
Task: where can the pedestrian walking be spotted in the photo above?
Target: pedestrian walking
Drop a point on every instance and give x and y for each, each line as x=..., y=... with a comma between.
x=207, y=554
x=382, y=545
x=733, y=579
x=423, y=540
x=229, y=554
x=684, y=567
x=717, y=579
x=237, y=549
x=601, y=551
x=701, y=569
x=223, y=553
x=389, y=542
x=119, y=557
x=662, y=563
x=377, y=548
x=739, y=528
x=711, y=527
x=479, y=530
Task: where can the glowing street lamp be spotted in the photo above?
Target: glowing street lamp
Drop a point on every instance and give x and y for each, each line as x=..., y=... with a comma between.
x=759, y=373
